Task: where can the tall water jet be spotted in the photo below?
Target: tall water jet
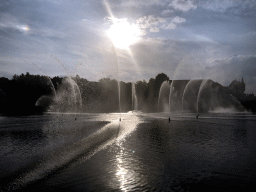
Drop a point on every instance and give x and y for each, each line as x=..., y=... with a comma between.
x=163, y=98
x=68, y=96
x=214, y=97
x=176, y=94
x=45, y=101
x=170, y=95
x=61, y=101
x=75, y=96
x=78, y=97
x=189, y=98
x=199, y=93
x=119, y=96
x=53, y=88
x=134, y=97
x=118, y=79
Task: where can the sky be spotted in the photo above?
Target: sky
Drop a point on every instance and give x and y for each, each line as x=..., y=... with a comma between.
x=130, y=40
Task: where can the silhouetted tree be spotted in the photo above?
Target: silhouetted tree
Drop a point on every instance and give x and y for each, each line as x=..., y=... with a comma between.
x=160, y=78
x=56, y=81
x=19, y=95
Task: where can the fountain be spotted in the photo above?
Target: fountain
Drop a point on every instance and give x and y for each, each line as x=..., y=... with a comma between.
x=134, y=97
x=189, y=98
x=163, y=99
x=176, y=94
x=207, y=94
x=66, y=99
x=78, y=98
x=214, y=97
x=46, y=100
x=197, y=96
x=118, y=81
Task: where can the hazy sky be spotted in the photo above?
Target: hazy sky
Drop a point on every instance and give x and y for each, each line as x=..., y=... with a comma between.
x=185, y=39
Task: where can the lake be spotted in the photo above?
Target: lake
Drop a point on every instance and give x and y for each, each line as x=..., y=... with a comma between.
x=142, y=152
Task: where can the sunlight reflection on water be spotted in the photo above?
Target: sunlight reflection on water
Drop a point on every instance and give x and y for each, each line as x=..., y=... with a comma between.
x=142, y=152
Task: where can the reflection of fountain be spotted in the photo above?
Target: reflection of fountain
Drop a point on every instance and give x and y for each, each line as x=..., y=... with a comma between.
x=163, y=104
x=134, y=97
x=197, y=96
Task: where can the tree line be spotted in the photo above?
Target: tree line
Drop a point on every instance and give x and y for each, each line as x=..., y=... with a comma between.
x=19, y=95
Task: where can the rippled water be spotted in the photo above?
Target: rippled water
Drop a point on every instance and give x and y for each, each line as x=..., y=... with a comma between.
x=142, y=152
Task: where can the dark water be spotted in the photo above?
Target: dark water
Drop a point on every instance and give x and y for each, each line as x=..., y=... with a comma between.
x=143, y=152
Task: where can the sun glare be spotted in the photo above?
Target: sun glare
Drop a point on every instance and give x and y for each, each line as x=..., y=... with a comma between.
x=123, y=34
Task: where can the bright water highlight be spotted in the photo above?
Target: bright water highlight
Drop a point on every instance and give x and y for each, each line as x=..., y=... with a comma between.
x=142, y=152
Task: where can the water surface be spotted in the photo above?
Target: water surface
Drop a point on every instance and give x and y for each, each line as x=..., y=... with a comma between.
x=142, y=152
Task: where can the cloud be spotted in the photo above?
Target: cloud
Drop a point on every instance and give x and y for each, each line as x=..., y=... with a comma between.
x=173, y=24
x=154, y=24
x=148, y=21
x=167, y=11
x=224, y=5
x=82, y=37
x=153, y=41
x=226, y=70
x=11, y=24
x=165, y=55
x=151, y=22
x=154, y=29
x=223, y=71
x=217, y=5
x=203, y=38
x=183, y=5
x=8, y=21
x=242, y=43
x=138, y=3
x=169, y=26
x=178, y=19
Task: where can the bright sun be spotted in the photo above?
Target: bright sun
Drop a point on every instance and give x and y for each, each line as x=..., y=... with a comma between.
x=123, y=34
